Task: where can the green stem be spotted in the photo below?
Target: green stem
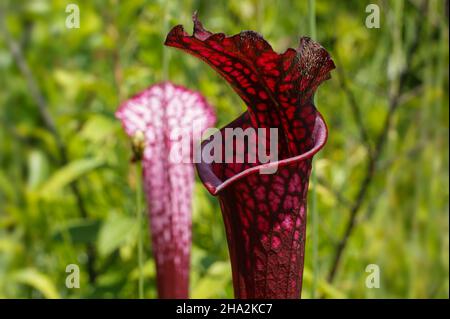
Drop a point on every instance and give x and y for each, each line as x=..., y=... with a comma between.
x=259, y=15
x=165, y=52
x=139, y=212
x=314, y=215
x=312, y=18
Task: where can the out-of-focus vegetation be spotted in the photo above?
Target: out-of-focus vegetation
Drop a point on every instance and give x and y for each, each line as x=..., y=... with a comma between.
x=67, y=185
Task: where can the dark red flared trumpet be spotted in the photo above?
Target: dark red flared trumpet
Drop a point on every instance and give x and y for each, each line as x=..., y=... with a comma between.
x=263, y=203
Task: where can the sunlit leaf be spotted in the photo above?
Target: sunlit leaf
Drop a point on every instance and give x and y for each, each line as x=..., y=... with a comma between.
x=37, y=168
x=114, y=232
x=68, y=174
x=212, y=284
x=38, y=281
x=98, y=128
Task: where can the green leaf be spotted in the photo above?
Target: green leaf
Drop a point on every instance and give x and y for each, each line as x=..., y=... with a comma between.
x=37, y=280
x=116, y=231
x=212, y=284
x=79, y=231
x=37, y=168
x=149, y=270
x=68, y=174
x=98, y=128
x=6, y=187
x=10, y=246
x=324, y=287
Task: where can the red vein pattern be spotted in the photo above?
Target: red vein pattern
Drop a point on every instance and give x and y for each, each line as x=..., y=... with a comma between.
x=160, y=112
x=264, y=215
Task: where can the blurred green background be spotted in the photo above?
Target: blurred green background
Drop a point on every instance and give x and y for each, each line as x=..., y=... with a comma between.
x=67, y=187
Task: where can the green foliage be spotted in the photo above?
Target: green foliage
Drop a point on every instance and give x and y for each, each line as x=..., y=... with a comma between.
x=79, y=232
x=36, y=280
x=115, y=231
x=84, y=74
x=67, y=174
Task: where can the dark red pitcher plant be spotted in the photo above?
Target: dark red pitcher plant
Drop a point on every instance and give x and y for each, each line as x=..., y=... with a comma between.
x=263, y=203
x=166, y=114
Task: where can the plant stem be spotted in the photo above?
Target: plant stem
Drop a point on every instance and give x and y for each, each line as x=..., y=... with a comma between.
x=312, y=18
x=140, y=232
x=259, y=15
x=165, y=52
x=314, y=215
